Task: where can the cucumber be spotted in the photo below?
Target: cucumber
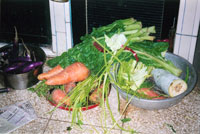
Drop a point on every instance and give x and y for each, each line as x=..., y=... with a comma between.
x=169, y=83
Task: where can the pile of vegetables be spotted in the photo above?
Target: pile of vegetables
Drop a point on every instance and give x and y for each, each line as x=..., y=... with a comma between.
x=17, y=59
x=124, y=46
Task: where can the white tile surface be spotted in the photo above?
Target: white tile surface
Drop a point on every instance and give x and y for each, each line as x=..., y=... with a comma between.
x=185, y=47
x=69, y=35
x=176, y=44
x=192, y=49
x=181, y=16
x=187, y=29
x=51, y=5
x=61, y=42
x=188, y=17
x=67, y=12
x=54, y=43
x=59, y=16
x=61, y=26
x=197, y=18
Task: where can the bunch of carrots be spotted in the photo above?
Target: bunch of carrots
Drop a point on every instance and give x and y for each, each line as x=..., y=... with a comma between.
x=68, y=77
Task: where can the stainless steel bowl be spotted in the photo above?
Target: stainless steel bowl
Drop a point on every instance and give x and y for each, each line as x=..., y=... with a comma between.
x=165, y=103
x=28, y=79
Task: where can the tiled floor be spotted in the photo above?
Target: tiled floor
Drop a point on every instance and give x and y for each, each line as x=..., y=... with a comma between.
x=184, y=117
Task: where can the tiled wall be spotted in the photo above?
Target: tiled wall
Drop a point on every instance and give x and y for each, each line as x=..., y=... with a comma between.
x=187, y=29
x=61, y=26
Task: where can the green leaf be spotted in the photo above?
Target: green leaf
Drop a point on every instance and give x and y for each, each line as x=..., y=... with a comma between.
x=172, y=128
x=79, y=105
x=69, y=128
x=187, y=74
x=125, y=120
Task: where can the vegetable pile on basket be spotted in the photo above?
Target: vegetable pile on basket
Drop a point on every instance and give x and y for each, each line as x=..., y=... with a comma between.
x=123, y=45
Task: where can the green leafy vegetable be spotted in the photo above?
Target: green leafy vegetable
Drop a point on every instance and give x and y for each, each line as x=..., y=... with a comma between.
x=152, y=54
x=87, y=53
x=126, y=120
x=41, y=89
x=132, y=74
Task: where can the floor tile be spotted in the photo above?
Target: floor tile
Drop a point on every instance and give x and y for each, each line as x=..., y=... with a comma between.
x=34, y=127
x=59, y=127
x=183, y=117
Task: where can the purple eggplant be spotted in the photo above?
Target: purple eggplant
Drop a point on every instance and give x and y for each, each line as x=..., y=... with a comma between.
x=15, y=50
x=30, y=66
x=22, y=67
x=14, y=68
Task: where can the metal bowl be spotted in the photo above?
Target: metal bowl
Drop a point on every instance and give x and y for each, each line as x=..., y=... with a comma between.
x=168, y=102
x=28, y=79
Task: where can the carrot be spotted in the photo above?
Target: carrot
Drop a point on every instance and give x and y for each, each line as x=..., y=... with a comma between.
x=150, y=93
x=58, y=96
x=50, y=73
x=73, y=73
x=96, y=94
x=69, y=86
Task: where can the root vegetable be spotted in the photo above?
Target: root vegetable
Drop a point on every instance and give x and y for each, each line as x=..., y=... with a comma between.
x=96, y=95
x=150, y=93
x=59, y=96
x=74, y=73
x=50, y=73
x=169, y=83
x=69, y=86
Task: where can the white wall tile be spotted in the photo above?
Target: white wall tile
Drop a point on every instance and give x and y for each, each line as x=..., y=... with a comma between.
x=197, y=19
x=67, y=12
x=187, y=29
x=181, y=15
x=53, y=30
x=54, y=43
x=61, y=26
x=185, y=47
x=69, y=35
x=192, y=49
x=177, y=44
x=187, y=17
x=59, y=16
x=61, y=42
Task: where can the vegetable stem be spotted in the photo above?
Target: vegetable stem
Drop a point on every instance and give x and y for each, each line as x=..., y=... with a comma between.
x=172, y=69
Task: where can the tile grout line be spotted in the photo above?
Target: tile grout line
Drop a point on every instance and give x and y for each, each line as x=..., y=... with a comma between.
x=47, y=123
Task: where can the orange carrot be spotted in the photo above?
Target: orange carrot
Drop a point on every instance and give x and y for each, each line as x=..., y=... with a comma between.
x=96, y=95
x=150, y=93
x=58, y=96
x=73, y=73
x=50, y=73
x=69, y=86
